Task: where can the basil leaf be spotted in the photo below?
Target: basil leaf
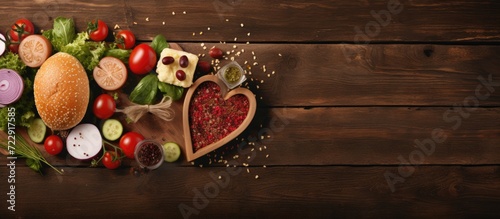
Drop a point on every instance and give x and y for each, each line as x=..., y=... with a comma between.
x=159, y=43
x=175, y=92
x=145, y=91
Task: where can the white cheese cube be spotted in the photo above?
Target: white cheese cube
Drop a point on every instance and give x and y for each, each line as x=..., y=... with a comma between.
x=166, y=73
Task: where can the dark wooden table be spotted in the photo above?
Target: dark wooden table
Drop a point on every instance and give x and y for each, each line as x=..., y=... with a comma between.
x=379, y=109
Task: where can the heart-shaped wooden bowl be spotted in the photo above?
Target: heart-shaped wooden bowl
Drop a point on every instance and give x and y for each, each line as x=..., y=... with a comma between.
x=189, y=150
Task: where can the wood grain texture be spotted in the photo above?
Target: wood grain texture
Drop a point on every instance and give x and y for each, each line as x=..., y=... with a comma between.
x=343, y=136
x=296, y=192
x=366, y=75
x=283, y=21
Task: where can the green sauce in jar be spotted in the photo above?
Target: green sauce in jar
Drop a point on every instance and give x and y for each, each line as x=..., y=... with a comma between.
x=232, y=74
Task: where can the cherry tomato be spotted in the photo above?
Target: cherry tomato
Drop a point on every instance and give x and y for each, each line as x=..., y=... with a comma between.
x=53, y=144
x=128, y=142
x=104, y=106
x=142, y=59
x=97, y=32
x=14, y=47
x=125, y=39
x=111, y=160
x=21, y=29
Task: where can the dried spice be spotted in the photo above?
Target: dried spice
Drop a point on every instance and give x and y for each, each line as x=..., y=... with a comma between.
x=149, y=154
x=213, y=118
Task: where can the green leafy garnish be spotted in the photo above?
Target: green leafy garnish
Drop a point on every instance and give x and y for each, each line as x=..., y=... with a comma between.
x=146, y=90
x=12, y=61
x=63, y=33
x=159, y=43
x=175, y=92
x=34, y=157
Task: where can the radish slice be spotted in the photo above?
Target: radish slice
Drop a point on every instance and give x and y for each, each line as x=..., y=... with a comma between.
x=84, y=141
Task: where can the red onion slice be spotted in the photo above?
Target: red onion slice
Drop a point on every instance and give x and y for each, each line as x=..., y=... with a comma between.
x=11, y=86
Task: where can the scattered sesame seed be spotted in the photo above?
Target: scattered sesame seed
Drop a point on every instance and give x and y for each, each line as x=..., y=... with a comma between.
x=201, y=32
x=220, y=177
x=116, y=27
x=232, y=58
x=227, y=20
x=273, y=72
x=248, y=42
x=253, y=53
x=135, y=22
x=245, y=164
x=256, y=176
x=252, y=149
x=260, y=148
x=236, y=39
x=208, y=28
x=184, y=12
x=201, y=165
x=192, y=163
x=248, y=157
x=242, y=50
x=258, y=87
x=279, y=54
x=261, y=98
x=265, y=147
x=204, y=47
x=267, y=155
x=163, y=22
x=202, y=44
x=147, y=19
x=242, y=25
x=268, y=75
x=248, y=34
x=255, y=63
x=264, y=166
x=173, y=12
x=248, y=170
x=234, y=46
x=194, y=33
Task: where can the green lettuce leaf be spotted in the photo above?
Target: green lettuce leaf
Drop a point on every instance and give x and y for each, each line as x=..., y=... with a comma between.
x=63, y=32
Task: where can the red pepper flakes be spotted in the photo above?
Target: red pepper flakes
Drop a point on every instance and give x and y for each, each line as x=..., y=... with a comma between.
x=213, y=118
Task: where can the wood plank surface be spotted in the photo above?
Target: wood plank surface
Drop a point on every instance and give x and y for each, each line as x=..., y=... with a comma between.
x=345, y=136
x=295, y=192
x=368, y=75
x=366, y=109
x=279, y=21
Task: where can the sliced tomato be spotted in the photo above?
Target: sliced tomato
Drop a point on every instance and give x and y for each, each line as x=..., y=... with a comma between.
x=34, y=50
x=110, y=74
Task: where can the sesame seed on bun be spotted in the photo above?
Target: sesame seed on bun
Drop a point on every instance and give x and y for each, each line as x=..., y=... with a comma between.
x=62, y=91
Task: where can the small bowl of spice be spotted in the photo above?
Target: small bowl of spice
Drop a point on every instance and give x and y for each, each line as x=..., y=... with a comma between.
x=232, y=74
x=149, y=154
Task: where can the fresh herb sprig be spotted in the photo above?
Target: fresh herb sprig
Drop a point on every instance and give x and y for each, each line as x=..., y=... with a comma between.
x=34, y=157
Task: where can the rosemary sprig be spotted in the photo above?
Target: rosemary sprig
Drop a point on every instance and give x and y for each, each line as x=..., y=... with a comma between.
x=34, y=157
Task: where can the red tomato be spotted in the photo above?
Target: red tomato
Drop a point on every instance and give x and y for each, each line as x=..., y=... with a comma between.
x=14, y=47
x=104, y=106
x=53, y=144
x=111, y=160
x=125, y=39
x=110, y=74
x=142, y=59
x=34, y=50
x=97, y=32
x=129, y=141
x=21, y=29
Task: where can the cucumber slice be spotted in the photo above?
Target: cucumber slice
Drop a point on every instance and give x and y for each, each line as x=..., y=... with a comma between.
x=37, y=130
x=112, y=129
x=172, y=151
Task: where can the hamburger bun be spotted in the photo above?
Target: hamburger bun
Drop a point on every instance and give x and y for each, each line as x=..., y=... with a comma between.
x=62, y=91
